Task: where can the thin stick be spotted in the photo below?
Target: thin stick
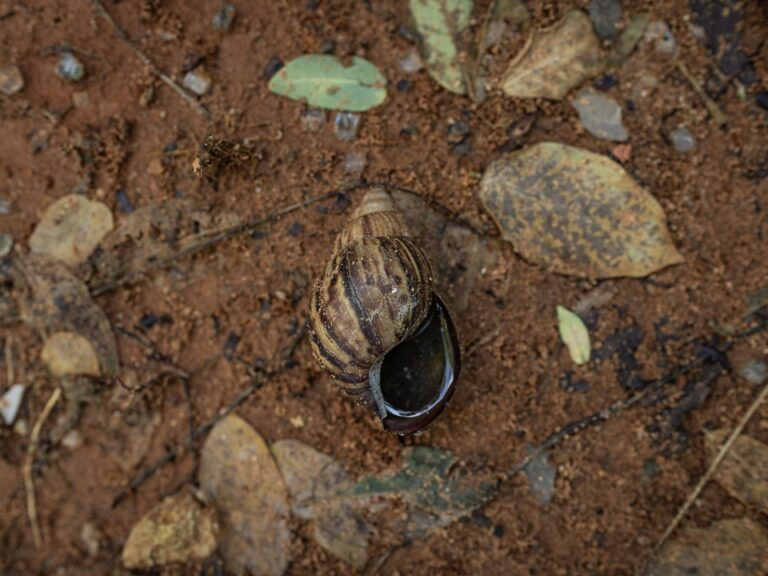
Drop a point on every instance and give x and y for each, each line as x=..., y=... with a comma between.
x=713, y=109
x=29, y=482
x=188, y=98
x=712, y=468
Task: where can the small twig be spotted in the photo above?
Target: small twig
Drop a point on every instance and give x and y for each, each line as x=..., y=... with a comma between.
x=120, y=33
x=714, y=110
x=29, y=482
x=712, y=468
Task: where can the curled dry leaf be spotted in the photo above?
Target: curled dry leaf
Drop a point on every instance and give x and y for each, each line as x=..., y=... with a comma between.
x=555, y=60
x=732, y=547
x=574, y=334
x=314, y=480
x=744, y=470
x=150, y=235
x=577, y=212
x=70, y=229
x=440, y=23
x=69, y=354
x=178, y=530
x=53, y=300
x=239, y=476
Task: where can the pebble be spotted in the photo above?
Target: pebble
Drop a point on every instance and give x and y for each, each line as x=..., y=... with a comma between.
x=91, y=538
x=70, y=68
x=754, y=371
x=355, y=162
x=457, y=131
x=6, y=243
x=273, y=66
x=404, y=85
x=198, y=82
x=541, y=477
x=313, y=119
x=605, y=82
x=762, y=99
x=600, y=115
x=605, y=14
x=123, y=202
x=412, y=63
x=5, y=206
x=346, y=126
x=223, y=19
x=11, y=80
x=682, y=139
x=72, y=440
x=659, y=34
x=10, y=403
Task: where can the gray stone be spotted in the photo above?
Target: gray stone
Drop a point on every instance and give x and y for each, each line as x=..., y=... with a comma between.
x=605, y=14
x=659, y=34
x=6, y=243
x=224, y=18
x=411, y=63
x=541, y=477
x=10, y=402
x=600, y=115
x=198, y=82
x=754, y=371
x=682, y=139
x=346, y=126
x=70, y=68
x=355, y=162
x=11, y=80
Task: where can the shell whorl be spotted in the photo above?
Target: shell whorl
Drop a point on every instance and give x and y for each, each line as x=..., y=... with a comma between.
x=375, y=291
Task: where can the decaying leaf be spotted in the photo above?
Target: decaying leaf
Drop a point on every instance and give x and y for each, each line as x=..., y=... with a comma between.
x=70, y=229
x=178, y=530
x=732, y=547
x=430, y=481
x=323, y=81
x=69, y=354
x=556, y=60
x=150, y=235
x=574, y=334
x=313, y=480
x=744, y=470
x=53, y=300
x=577, y=212
x=440, y=23
x=239, y=476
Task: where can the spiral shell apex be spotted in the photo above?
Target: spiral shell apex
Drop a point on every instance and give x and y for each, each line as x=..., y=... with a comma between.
x=376, y=324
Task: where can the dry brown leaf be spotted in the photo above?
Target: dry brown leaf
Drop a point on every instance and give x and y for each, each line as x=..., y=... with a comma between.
x=70, y=229
x=53, y=300
x=555, y=60
x=577, y=212
x=744, y=470
x=313, y=479
x=178, y=530
x=239, y=476
x=69, y=354
x=149, y=235
x=728, y=547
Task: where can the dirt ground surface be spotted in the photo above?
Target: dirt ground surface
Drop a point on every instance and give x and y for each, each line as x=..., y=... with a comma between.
x=122, y=136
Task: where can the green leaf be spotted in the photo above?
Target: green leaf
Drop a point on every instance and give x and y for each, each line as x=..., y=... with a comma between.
x=577, y=213
x=440, y=22
x=574, y=334
x=322, y=81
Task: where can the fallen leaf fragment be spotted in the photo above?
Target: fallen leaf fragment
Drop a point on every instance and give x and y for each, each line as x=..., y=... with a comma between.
x=178, y=530
x=70, y=229
x=239, y=477
x=314, y=480
x=733, y=547
x=744, y=470
x=556, y=60
x=69, y=354
x=574, y=334
x=577, y=212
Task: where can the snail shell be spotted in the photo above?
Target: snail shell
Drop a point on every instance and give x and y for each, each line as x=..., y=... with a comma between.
x=378, y=327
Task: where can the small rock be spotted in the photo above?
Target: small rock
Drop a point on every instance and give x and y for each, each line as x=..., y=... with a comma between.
x=80, y=99
x=223, y=19
x=412, y=63
x=11, y=80
x=21, y=428
x=274, y=65
x=457, y=131
x=72, y=440
x=10, y=403
x=682, y=139
x=70, y=68
x=606, y=82
x=155, y=167
x=659, y=34
x=409, y=34
x=6, y=244
x=123, y=202
x=605, y=14
x=198, y=82
x=404, y=85
x=346, y=126
x=754, y=371
x=5, y=206
x=355, y=162
x=312, y=119
x=622, y=152
x=600, y=115
x=541, y=477
x=91, y=538
x=328, y=46
x=762, y=99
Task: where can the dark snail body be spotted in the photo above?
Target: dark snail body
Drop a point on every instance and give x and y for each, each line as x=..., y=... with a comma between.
x=376, y=324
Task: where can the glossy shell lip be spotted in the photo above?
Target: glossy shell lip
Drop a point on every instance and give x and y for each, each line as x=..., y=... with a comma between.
x=405, y=422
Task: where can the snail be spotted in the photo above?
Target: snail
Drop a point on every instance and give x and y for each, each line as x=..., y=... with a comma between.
x=377, y=324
